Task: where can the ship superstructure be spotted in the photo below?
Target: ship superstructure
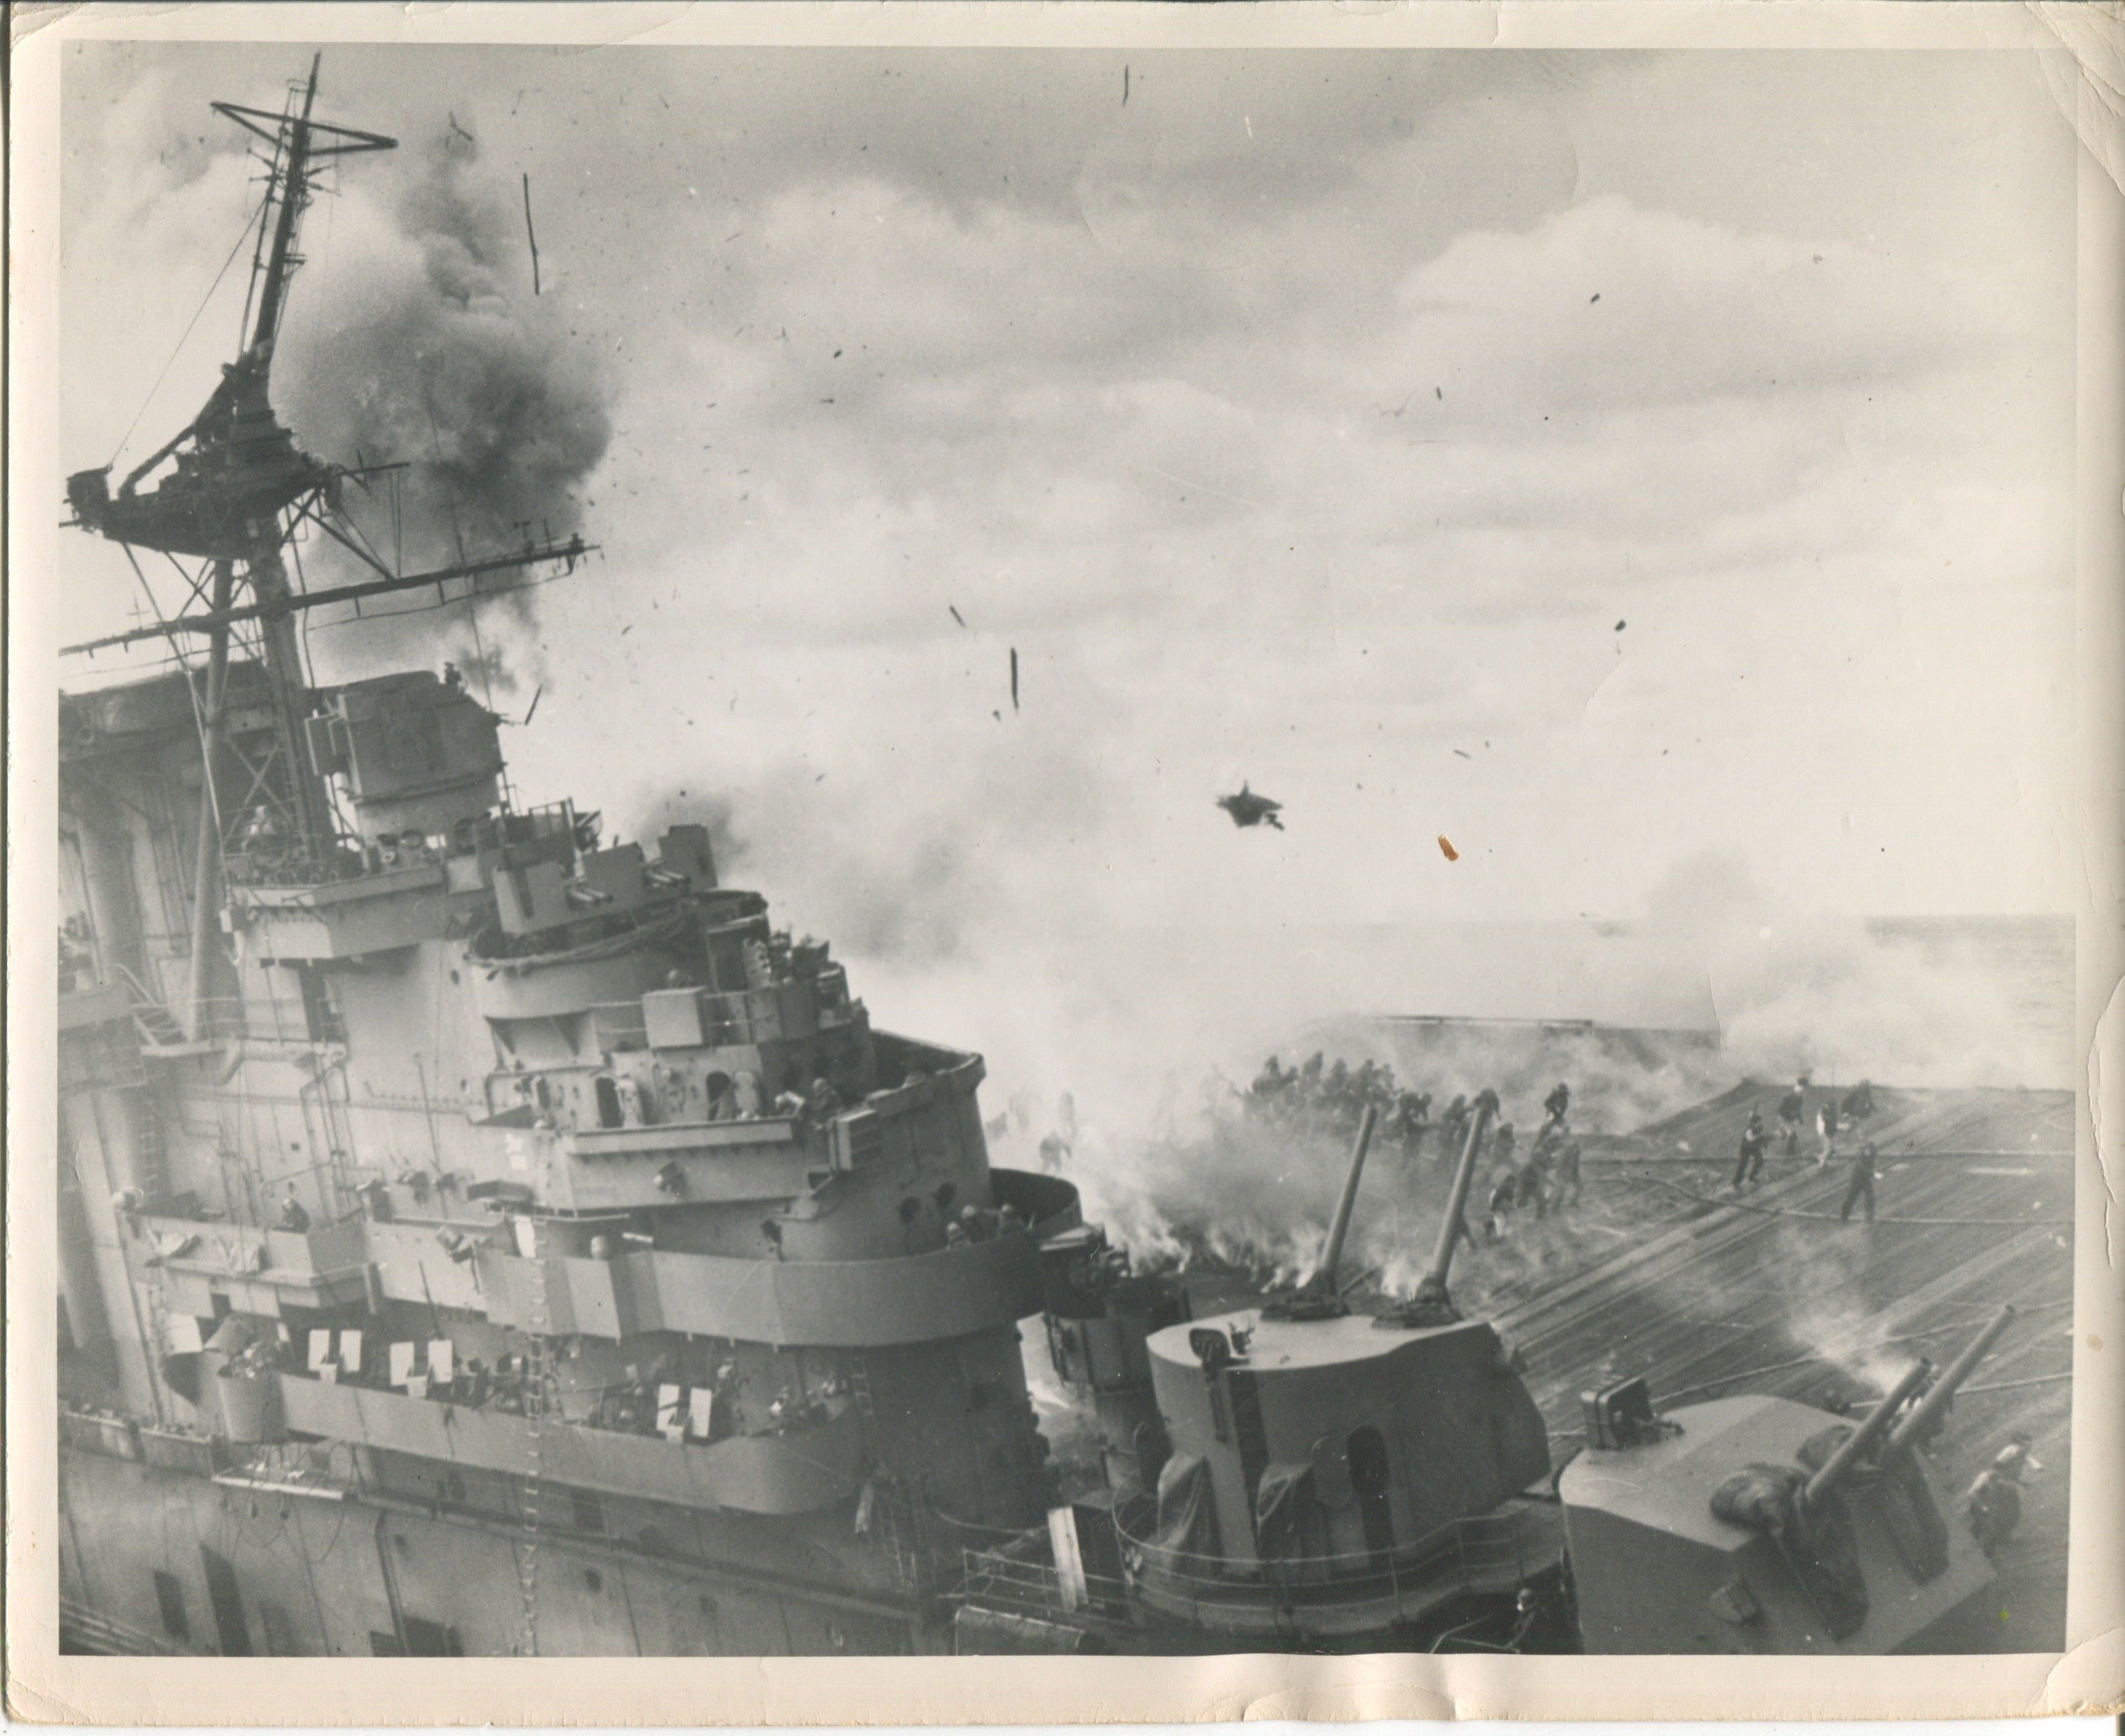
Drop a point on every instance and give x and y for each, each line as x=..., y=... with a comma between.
x=428, y=1151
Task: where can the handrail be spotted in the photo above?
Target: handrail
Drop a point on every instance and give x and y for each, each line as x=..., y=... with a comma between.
x=113, y=1638
x=796, y=1429
x=733, y=1007
x=1226, y=1571
x=1003, y=1577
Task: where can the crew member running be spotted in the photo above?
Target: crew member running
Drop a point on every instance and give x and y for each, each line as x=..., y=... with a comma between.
x=1749, y=1163
x=1861, y=1184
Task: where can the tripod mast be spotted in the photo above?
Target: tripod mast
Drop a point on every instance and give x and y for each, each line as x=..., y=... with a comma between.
x=238, y=489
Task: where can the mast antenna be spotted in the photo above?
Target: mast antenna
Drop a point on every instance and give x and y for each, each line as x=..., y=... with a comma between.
x=236, y=492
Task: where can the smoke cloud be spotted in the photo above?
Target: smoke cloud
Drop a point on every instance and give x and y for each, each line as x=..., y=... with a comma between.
x=1153, y=1033
x=419, y=342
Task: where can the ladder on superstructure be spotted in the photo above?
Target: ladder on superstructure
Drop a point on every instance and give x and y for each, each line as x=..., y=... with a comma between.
x=886, y=1494
x=538, y=1373
x=157, y=1027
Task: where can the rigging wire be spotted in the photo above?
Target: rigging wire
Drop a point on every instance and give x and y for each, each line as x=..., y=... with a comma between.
x=354, y=530
x=309, y=664
x=457, y=530
x=211, y=794
x=177, y=349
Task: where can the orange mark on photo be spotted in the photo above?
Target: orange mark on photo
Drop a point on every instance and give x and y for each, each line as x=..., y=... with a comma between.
x=1446, y=848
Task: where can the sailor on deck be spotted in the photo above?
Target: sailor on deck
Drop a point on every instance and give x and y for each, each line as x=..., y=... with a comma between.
x=1861, y=1184
x=1826, y=1123
x=1568, y=1183
x=1793, y=1106
x=1993, y=1507
x=1748, y=1164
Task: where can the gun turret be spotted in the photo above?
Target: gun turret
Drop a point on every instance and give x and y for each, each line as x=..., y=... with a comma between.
x=1434, y=1289
x=1331, y=1256
x=1859, y=1444
x=1915, y=1428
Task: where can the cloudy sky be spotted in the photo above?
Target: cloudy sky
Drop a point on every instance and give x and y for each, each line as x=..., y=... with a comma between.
x=1651, y=473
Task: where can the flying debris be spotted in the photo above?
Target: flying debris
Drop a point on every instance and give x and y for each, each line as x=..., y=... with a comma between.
x=956, y=615
x=531, y=234
x=1248, y=809
x=1014, y=678
x=1619, y=627
x=529, y=712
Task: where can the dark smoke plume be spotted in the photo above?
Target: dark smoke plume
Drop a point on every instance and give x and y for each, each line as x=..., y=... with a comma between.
x=422, y=344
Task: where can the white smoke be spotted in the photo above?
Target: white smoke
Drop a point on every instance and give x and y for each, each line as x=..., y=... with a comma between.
x=1153, y=1039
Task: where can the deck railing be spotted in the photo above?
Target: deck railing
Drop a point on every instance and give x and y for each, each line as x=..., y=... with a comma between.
x=1005, y=1578
x=1459, y=1555
x=732, y=1018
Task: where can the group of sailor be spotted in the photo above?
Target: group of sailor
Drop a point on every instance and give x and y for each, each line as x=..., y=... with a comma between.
x=1323, y=1097
x=982, y=1224
x=1835, y=1119
x=1548, y=1179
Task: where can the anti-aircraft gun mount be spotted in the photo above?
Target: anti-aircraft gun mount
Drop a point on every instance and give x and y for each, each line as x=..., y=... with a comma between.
x=1337, y=1480
x=1099, y=1313
x=1757, y=1525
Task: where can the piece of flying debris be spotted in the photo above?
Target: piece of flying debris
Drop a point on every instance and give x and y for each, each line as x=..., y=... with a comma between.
x=1248, y=809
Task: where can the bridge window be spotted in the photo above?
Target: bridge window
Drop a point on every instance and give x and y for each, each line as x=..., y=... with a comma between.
x=608, y=1100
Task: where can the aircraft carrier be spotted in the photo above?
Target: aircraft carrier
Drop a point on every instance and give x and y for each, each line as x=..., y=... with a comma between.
x=481, y=1235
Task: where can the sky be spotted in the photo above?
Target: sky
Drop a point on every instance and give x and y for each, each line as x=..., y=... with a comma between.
x=1651, y=472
